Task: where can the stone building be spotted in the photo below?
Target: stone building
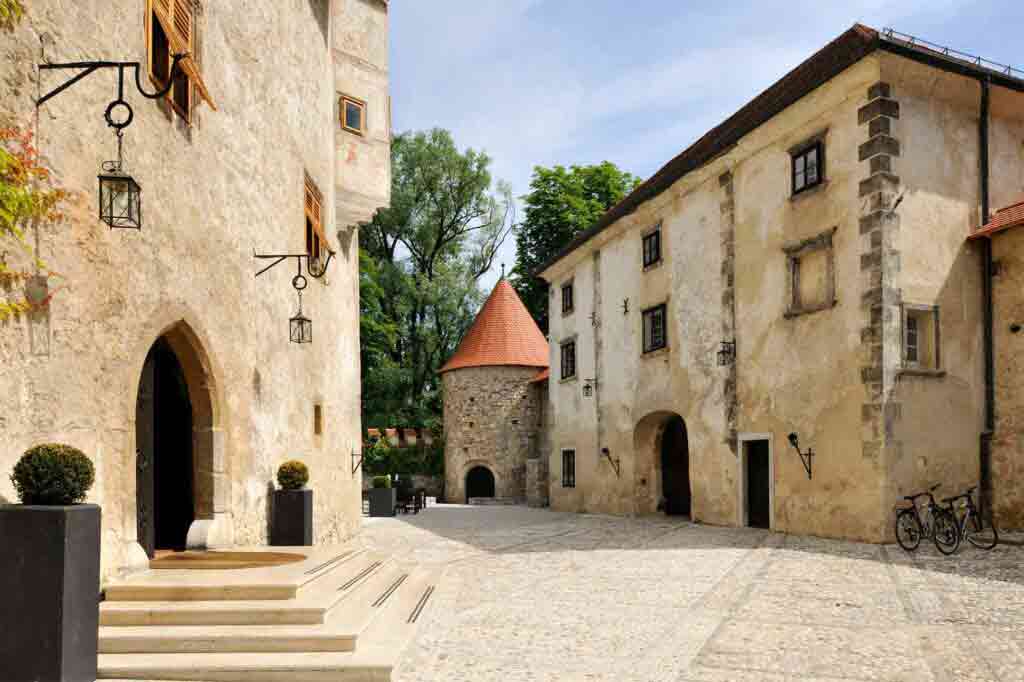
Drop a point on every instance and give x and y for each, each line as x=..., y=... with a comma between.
x=161, y=355
x=800, y=269
x=494, y=404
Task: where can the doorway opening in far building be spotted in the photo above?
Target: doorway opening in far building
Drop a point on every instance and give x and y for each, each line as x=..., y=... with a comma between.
x=479, y=483
x=675, y=467
x=756, y=482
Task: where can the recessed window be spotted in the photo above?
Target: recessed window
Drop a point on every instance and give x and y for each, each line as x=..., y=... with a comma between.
x=353, y=115
x=652, y=248
x=170, y=30
x=568, y=468
x=316, y=238
x=568, y=359
x=921, y=337
x=808, y=167
x=318, y=420
x=567, y=295
x=811, y=283
x=655, y=329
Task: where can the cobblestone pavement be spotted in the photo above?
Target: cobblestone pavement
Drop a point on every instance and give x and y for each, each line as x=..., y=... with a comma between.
x=535, y=595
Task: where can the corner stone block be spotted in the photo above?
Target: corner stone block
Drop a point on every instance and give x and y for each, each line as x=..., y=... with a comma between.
x=878, y=107
x=879, y=144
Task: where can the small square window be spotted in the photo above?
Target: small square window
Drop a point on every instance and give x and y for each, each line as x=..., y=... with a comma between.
x=568, y=359
x=567, y=302
x=808, y=167
x=655, y=331
x=353, y=115
x=652, y=248
x=568, y=468
x=921, y=337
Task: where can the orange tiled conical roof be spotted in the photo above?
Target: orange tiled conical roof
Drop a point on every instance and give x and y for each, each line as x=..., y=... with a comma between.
x=503, y=333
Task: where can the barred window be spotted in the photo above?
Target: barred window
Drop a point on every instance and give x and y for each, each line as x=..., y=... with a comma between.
x=567, y=302
x=655, y=331
x=568, y=359
x=568, y=468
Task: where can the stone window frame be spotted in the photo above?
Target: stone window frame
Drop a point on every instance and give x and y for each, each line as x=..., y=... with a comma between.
x=343, y=102
x=654, y=233
x=563, y=346
x=568, y=302
x=815, y=143
x=916, y=368
x=649, y=347
x=797, y=250
x=568, y=468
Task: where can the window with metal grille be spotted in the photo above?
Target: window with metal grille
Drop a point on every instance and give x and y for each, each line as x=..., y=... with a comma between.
x=655, y=331
x=808, y=167
x=568, y=359
x=568, y=468
x=567, y=303
x=652, y=248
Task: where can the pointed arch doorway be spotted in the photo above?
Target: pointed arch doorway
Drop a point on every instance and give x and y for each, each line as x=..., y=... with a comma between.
x=174, y=443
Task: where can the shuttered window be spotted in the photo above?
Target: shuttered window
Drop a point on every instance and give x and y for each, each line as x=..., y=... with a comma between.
x=316, y=239
x=171, y=30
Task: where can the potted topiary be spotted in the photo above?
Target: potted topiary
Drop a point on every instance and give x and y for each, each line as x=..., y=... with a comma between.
x=382, y=497
x=51, y=562
x=292, y=507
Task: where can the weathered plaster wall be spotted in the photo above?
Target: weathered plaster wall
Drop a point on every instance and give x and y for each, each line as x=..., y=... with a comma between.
x=213, y=193
x=1008, y=443
x=490, y=419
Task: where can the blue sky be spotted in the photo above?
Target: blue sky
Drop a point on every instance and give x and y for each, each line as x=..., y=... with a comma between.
x=545, y=82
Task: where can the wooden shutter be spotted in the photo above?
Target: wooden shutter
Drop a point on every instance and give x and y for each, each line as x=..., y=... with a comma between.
x=176, y=18
x=314, y=208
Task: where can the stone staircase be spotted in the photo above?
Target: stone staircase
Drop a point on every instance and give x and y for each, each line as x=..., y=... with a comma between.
x=341, y=615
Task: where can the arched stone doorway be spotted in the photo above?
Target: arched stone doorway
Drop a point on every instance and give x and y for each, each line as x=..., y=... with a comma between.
x=479, y=482
x=175, y=444
x=675, y=467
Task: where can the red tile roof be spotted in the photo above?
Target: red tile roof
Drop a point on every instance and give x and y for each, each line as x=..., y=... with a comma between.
x=1004, y=219
x=542, y=376
x=502, y=334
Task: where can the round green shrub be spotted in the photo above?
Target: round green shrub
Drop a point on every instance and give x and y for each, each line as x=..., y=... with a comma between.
x=292, y=475
x=381, y=481
x=53, y=474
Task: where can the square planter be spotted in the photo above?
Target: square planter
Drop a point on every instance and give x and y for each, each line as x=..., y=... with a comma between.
x=382, y=501
x=291, y=524
x=50, y=570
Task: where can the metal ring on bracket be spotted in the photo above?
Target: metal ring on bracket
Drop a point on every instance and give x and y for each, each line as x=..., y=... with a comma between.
x=299, y=279
x=108, y=114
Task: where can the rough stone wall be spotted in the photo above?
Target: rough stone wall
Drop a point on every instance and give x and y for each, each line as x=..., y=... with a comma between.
x=1008, y=440
x=212, y=194
x=490, y=419
x=537, y=472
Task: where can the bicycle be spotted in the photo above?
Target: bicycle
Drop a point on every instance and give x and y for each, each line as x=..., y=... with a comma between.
x=940, y=524
x=970, y=525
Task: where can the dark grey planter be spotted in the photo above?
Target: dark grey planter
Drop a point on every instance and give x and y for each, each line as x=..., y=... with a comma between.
x=50, y=579
x=291, y=524
x=382, y=501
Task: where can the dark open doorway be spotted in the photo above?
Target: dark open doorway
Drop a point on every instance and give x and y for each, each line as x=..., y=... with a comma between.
x=479, y=483
x=165, y=461
x=675, y=467
x=758, y=483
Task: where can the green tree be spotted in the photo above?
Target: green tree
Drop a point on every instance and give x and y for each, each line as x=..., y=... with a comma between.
x=423, y=257
x=561, y=204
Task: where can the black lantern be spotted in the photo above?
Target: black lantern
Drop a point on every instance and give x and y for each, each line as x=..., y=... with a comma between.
x=588, y=387
x=120, y=195
x=727, y=353
x=300, y=326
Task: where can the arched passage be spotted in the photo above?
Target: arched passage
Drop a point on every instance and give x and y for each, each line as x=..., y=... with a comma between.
x=662, y=465
x=174, y=429
x=479, y=482
x=675, y=467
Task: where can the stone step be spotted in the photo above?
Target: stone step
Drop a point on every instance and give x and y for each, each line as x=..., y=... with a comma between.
x=393, y=628
x=315, y=598
x=351, y=666
x=493, y=501
x=357, y=606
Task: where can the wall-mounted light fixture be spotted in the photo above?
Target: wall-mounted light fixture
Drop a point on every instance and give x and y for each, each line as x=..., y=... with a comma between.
x=727, y=353
x=805, y=457
x=616, y=464
x=588, y=387
x=300, y=327
x=625, y=306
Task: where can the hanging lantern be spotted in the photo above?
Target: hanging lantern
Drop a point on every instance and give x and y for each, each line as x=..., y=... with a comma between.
x=120, y=195
x=727, y=353
x=300, y=327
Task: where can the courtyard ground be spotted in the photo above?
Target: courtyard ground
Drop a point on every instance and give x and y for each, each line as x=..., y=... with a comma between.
x=535, y=595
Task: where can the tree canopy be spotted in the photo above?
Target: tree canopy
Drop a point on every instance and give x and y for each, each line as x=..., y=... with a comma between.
x=561, y=203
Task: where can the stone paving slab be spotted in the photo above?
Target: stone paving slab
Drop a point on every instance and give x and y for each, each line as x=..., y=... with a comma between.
x=533, y=595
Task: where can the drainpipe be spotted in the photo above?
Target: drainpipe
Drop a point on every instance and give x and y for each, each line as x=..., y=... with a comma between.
x=985, y=452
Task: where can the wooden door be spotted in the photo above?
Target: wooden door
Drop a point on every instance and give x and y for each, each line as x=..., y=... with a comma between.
x=145, y=414
x=758, y=484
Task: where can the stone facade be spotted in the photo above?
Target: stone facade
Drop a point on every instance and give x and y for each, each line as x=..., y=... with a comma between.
x=492, y=417
x=885, y=229
x=215, y=191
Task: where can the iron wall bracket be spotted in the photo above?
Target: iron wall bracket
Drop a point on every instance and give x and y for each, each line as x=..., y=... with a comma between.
x=357, y=461
x=299, y=257
x=616, y=463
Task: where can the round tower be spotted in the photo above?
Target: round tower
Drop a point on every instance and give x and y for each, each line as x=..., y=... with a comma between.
x=494, y=395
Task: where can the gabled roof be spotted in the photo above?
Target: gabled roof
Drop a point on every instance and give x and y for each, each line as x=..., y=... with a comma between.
x=503, y=334
x=843, y=52
x=1004, y=219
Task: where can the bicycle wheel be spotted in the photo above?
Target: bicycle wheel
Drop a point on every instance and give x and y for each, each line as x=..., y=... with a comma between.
x=908, y=530
x=982, y=532
x=947, y=531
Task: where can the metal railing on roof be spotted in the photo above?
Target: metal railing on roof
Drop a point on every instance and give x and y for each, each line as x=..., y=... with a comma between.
x=914, y=41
